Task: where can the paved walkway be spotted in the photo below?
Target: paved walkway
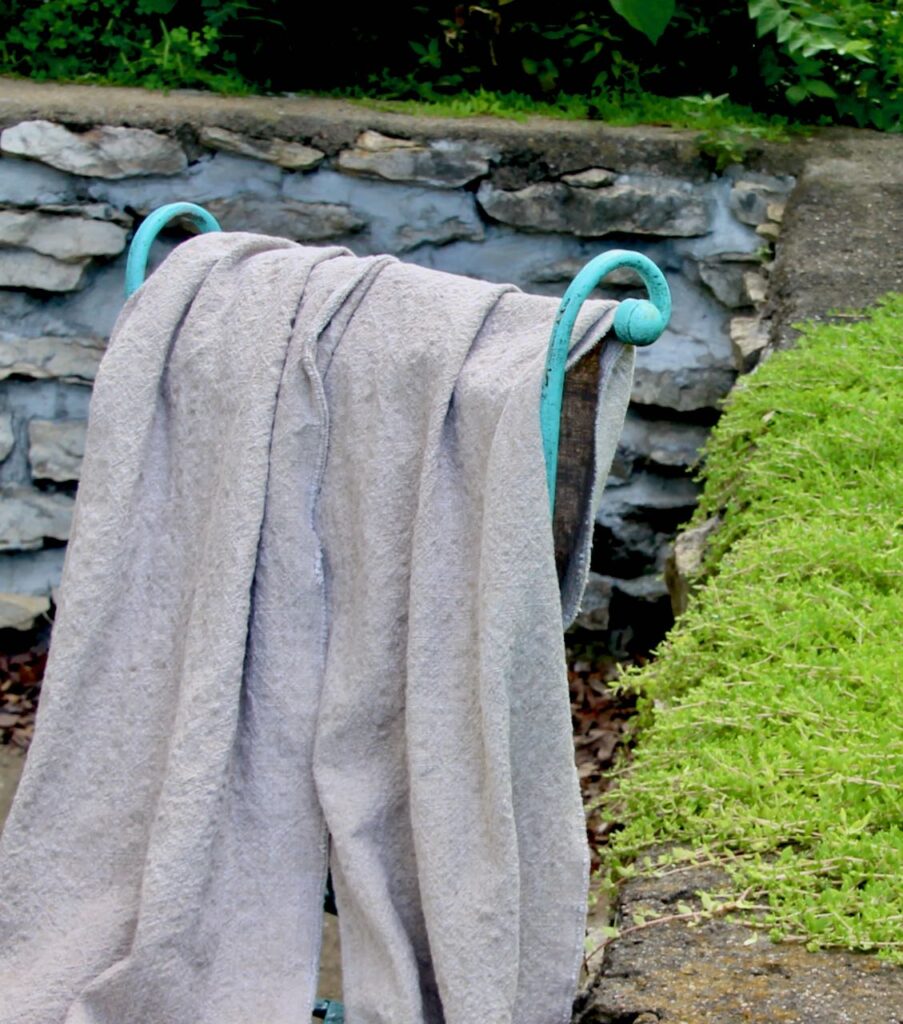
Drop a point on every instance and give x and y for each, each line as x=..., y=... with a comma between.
x=841, y=246
x=724, y=973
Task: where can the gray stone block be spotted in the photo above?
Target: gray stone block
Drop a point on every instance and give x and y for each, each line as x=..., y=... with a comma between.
x=755, y=284
x=287, y=218
x=650, y=588
x=23, y=268
x=684, y=569
x=67, y=359
x=648, y=492
x=56, y=449
x=752, y=196
x=442, y=163
x=643, y=208
x=25, y=183
x=293, y=156
x=400, y=218
x=686, y=389
x=66, y=237
x=21, y=611
x=95, y=211
x=103, y=152
x=665, y=443
x=594, y=177
x=726, y=277
x=749, y=338
x=221, y=176
x=7, y=438
x=28, y=517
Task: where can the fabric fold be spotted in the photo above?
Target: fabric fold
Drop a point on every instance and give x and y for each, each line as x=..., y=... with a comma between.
x=445, y=672
x=311, y=589
x=162, y=804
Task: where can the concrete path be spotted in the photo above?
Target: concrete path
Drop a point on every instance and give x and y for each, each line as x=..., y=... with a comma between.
x=841, y=245
x=723, y=973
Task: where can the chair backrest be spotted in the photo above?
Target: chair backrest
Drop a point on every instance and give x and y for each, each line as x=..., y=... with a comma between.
x=637, y=321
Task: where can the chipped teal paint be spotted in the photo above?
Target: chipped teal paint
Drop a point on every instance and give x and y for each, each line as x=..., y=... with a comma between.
x=637, y=322
x=139, y=250
x=329, y=1011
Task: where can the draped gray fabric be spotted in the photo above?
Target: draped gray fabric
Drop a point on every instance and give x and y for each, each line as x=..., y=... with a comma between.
x=310, y=592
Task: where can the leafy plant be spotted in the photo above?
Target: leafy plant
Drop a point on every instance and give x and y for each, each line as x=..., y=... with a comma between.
x=848, y=55
x=650, y=17
x=817, y=60
x=726, y=139
x=120, y=42
x=726, y=130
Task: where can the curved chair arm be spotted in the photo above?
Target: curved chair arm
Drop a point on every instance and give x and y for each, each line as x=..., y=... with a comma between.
x=637, y=322
x=139, y=250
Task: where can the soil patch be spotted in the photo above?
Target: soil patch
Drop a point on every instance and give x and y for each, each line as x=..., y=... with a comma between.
x=703, y=970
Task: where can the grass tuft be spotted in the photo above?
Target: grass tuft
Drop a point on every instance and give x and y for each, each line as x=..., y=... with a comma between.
x=617, y=108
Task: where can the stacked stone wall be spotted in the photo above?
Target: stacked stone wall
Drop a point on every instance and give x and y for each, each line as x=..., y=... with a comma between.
x=501, y=204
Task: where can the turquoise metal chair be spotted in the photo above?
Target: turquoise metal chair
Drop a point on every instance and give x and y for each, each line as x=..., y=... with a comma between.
x=637, y=322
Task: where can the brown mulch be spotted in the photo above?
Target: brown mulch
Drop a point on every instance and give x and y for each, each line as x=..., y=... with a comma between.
x=21, y=673
x=601, y=719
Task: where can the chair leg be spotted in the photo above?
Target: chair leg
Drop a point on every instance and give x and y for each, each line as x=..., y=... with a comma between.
x=329, y=1011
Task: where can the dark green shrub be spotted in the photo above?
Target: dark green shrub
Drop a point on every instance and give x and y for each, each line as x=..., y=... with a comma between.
x=819, y=60
x=835, y=58
x=156, y=43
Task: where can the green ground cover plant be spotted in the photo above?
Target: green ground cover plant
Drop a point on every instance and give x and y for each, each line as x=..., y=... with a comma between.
x=726, y=130
x=771, y=735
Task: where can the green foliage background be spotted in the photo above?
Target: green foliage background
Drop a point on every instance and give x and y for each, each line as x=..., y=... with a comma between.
x=814, y=60
x=773, y=736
